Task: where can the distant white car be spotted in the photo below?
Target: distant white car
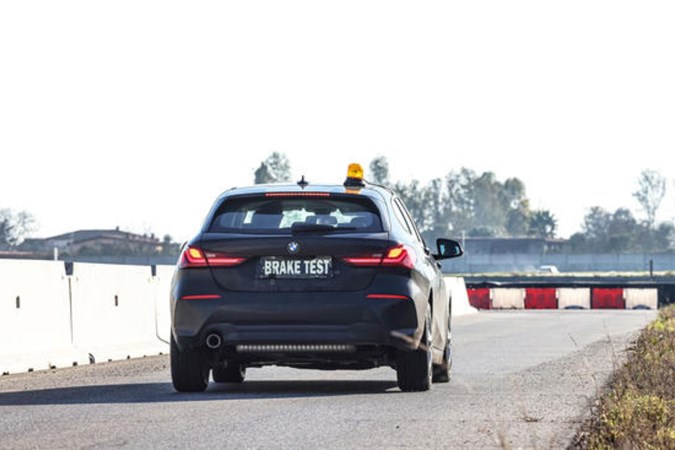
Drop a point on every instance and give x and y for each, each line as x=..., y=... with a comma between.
x=548, y=269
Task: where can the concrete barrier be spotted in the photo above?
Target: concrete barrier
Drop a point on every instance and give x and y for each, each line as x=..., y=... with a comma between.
x=460, y=299
x=574, y=298
x=507, y=298
x=114, y=313
x=641, y=298
x=35, y=321
x=99, y=313
x=163, y=277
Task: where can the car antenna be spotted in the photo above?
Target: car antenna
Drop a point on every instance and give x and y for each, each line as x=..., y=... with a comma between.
x=303, y=183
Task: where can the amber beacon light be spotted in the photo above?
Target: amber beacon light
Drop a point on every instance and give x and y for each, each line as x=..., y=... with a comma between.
x=354, y=176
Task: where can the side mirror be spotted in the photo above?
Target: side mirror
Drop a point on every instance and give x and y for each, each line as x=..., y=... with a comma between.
x=447, y=248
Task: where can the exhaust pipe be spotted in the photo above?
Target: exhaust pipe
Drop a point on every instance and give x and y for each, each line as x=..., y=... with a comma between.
x=213, y=341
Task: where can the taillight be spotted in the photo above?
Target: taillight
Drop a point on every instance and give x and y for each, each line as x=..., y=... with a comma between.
x=364, y=260
x=221, y=260
x=196, y=257
x=398, y=256
x=193, y=257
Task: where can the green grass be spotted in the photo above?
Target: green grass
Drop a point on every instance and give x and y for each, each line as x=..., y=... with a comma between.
x=638, y=410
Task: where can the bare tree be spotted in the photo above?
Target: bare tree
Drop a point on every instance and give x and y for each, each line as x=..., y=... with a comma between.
x=379, y=169
x=650, y=192
x=14, y=227
x=275, y=169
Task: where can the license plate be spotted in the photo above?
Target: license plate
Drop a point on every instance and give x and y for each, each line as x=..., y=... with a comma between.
x=278, y=267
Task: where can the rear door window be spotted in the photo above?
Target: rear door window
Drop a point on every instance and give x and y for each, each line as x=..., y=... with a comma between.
x=260, y=214
x=410, y=224
x=398, y=212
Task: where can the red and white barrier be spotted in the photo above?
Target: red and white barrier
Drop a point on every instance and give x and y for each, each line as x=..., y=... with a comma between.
x=479, y=298
x=507, y=298
x=574, y=298
x=607, y=298
x=641, y=298
x=563, y=298
x=541, y=298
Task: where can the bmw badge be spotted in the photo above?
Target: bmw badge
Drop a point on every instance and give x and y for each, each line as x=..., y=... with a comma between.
x=293, y=247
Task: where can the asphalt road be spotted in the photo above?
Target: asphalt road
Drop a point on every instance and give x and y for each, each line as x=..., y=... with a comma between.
x=520, y=379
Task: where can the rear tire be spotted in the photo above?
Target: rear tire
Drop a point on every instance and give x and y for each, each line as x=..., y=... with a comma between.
x=414, y=368
x=189, y=369
x=232, y=373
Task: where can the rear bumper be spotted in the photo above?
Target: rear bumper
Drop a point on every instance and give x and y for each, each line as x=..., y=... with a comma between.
x=297, y=318
x=302, y=317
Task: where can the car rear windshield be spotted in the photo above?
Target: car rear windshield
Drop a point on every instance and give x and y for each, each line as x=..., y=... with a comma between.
x=302, y=214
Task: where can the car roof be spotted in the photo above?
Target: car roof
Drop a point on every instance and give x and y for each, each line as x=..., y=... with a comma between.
x=369, y=190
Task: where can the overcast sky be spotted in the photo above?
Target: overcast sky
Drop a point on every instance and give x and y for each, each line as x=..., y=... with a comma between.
x=138, y=114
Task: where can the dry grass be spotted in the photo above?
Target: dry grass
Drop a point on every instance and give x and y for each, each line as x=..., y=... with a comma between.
x=638, y=410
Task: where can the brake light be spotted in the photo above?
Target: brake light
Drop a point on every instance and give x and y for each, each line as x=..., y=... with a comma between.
x=398, y=256
x=297, y=194
x=196, y=257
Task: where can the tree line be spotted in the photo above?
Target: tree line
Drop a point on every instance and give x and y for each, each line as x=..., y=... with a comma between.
x=466, y=203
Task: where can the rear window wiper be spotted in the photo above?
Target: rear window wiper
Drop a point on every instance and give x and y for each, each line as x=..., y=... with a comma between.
x=317, y=228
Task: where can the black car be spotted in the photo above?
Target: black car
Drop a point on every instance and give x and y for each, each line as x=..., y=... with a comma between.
x=310, y=276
